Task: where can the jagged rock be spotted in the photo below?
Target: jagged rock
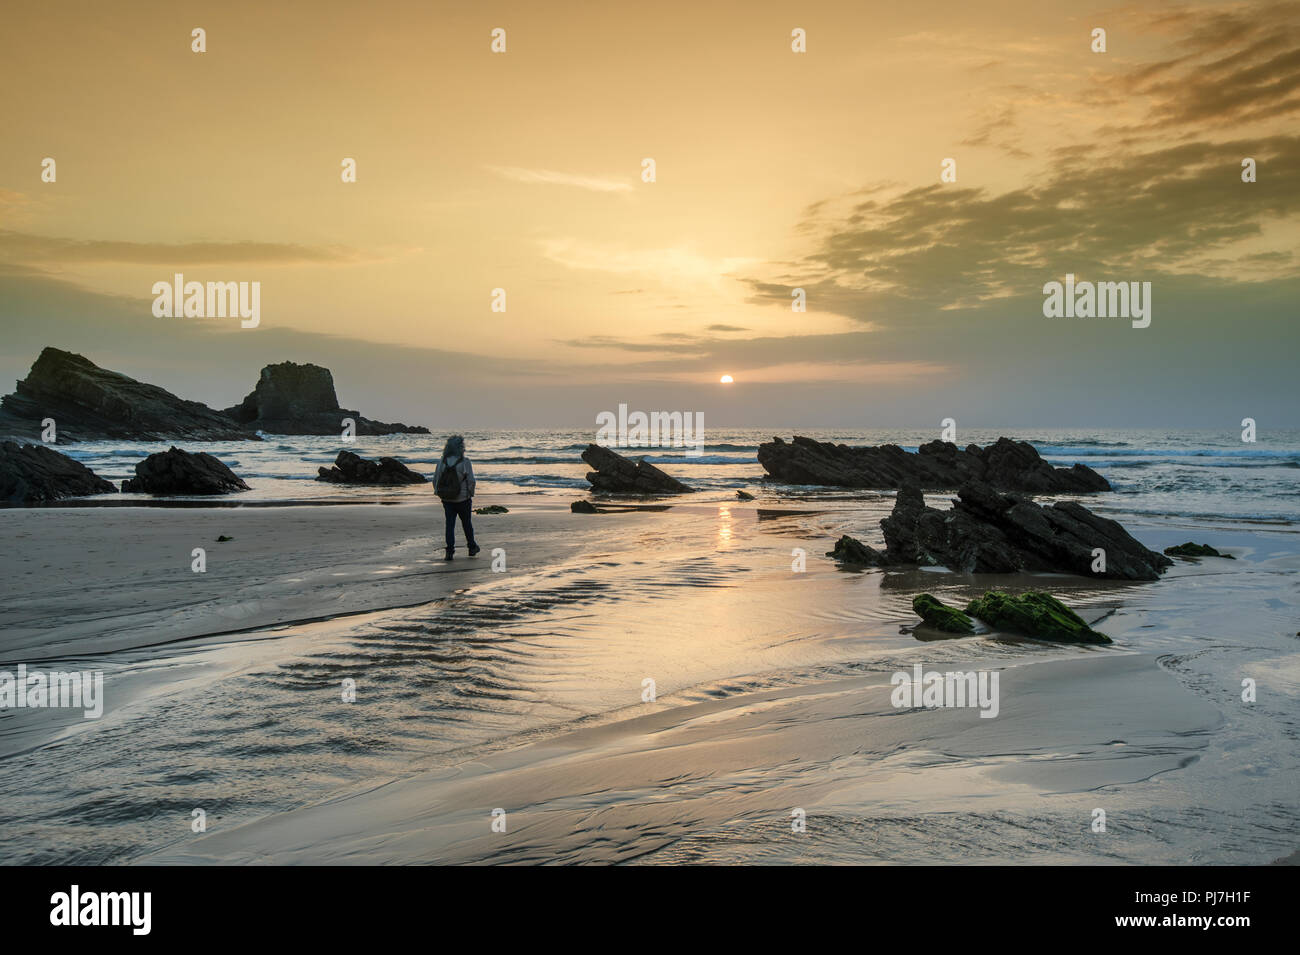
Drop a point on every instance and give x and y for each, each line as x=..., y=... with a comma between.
x=351, y=468
x=616, y=474
x=850, y=551
x=35, y=474
x=988, y=532
x=299, y=399
x=492, y=509
x=1195, y=550
x=744, y=496
x=1034, y=614
x=938, y=465
x=939, y=615
x=181, y=472
x=89, y=403
x=583, y=507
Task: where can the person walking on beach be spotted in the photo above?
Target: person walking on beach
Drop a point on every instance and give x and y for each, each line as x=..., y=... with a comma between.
x=453, y=481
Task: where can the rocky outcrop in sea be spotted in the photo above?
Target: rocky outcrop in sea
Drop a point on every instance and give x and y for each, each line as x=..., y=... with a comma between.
x=35, y=474
x=351, y=468
x=89, y=403
x=987, y=532
x=615, y=474
x=299, y=399
x=176, y=471
x=939, y=465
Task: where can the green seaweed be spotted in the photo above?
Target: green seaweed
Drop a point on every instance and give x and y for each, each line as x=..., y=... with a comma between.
x=940, y=616
x=1034, y=614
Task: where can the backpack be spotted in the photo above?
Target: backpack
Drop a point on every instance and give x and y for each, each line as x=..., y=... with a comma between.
x=448, y=487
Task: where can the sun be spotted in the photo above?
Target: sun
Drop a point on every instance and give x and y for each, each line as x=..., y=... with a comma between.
x=725, y=380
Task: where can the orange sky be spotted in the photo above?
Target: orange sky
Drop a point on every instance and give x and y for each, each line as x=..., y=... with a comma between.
x=522, y=170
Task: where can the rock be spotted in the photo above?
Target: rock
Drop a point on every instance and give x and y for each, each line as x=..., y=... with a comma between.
x=616, y=474
x=938, y=465
x=987, y=532
x=492, y=509
x=1195, y=550
x=351, y=468
x=939, y=615
x=180, y=472
x=299, y=399
x=850, y=551
x=1034, y=614
x=35, y=474
x=583, y=507
x=744, y=496
x=90, y=403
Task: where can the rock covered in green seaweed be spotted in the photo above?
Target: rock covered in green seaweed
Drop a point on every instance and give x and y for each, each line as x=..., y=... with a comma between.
x=1034, y=614
x=940, y=616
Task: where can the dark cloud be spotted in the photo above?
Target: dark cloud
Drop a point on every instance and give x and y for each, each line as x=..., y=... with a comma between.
x=1235, y=65
x=1128, y=215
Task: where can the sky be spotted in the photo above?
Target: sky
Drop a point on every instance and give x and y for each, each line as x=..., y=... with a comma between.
x=775, y=170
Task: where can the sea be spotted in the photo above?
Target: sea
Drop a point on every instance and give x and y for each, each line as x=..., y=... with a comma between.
x=1155, y=474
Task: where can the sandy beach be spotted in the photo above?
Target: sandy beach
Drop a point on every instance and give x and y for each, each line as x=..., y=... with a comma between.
x=524, y=690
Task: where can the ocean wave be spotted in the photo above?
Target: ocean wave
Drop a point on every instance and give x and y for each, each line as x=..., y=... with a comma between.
x=1059, y=451
x=697, y=459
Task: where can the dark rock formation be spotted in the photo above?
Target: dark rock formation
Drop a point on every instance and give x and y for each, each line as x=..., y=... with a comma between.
x=616, y=474
x=1034, y=614
x=991, y=533
x=300, y=399
x=90, y=403
x=850, y=551
x=938, y=465
x=181, y=472
x=939, y=615
x=351, y=468
x=744, y=496
x=492, y=509
x=35, y=474
x=583, y=507
x=1195, y=550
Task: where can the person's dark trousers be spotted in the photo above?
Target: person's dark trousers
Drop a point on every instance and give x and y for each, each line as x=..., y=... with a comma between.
x=465, y=510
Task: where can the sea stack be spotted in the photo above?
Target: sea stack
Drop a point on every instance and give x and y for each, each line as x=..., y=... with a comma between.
x=299, y=399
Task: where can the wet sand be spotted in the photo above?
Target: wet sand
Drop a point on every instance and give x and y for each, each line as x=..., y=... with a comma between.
x=734, y=771
x=523, y=691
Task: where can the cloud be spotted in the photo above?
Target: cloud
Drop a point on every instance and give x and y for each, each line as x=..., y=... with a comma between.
x=1234, y=65
x=20, y=247
x=1182, y=210
x=551, y=178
